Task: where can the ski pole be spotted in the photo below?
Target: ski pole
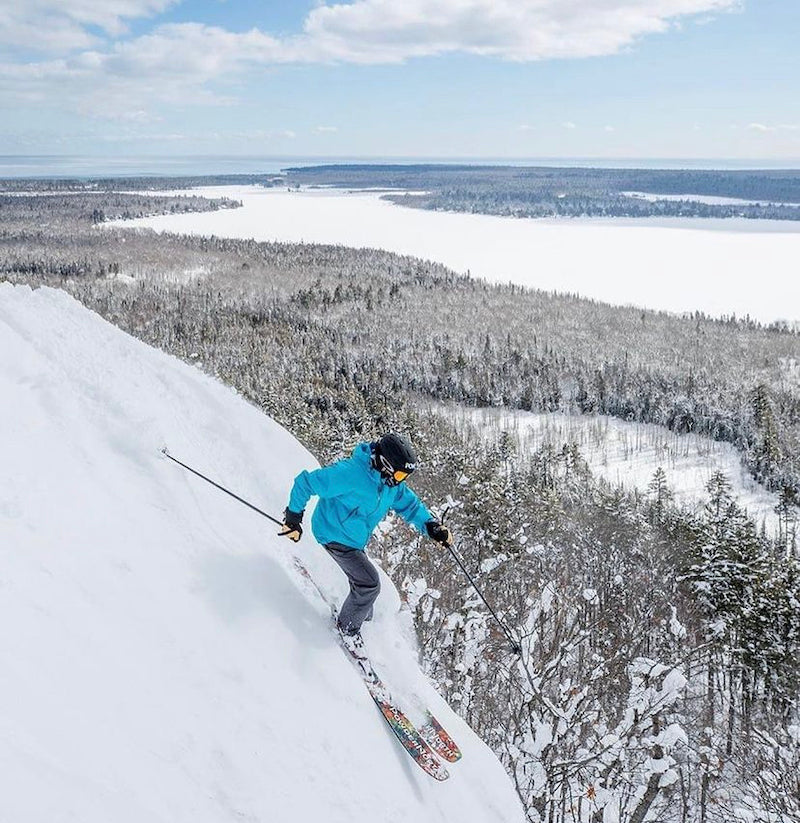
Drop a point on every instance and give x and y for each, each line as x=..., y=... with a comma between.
x=515, y=646
x=221, y=488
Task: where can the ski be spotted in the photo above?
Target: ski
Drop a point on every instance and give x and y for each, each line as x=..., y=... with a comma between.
x=410, y=738
x=404, y=730
x=434, y=734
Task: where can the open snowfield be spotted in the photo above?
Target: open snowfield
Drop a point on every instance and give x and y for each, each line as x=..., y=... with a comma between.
x=629, y=453
x=699, y=198
x=162, y=662
x=719, y=267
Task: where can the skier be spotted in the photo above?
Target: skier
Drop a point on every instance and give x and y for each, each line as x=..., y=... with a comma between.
x=355, y=495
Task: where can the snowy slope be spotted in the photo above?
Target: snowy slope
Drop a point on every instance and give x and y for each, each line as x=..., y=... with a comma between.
x=161, y=660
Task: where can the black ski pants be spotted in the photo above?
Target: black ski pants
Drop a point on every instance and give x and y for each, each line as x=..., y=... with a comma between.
x=365, y=585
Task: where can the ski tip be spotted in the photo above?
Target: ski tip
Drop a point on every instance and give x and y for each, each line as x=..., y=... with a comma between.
x=449, y=755
x=439, y=740
x=440, y=774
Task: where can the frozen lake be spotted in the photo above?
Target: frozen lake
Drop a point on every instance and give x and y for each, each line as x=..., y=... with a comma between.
x=720, y=267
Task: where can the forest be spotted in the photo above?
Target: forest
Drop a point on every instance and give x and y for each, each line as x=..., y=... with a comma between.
x=660, y=675
x=571, y=192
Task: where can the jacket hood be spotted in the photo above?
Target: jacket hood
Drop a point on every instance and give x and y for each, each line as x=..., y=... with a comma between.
x=362, y=453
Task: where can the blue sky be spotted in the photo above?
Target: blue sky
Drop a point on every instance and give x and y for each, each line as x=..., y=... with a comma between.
x=424, y=78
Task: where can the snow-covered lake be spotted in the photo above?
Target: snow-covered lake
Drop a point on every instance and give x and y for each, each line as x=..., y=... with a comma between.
x=710, y=200
x=715, y=266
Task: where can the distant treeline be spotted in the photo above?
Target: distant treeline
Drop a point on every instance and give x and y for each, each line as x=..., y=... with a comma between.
x=141, y=183
x=515, y=191
x=571, y=192
x=62, y=208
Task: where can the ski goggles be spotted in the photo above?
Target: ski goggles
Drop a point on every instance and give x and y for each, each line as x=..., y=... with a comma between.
x=388, y=471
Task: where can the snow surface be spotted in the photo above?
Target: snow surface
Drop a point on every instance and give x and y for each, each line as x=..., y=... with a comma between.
x=161, y=659
x=628, y=454
x=708, y=199
x=720, y=267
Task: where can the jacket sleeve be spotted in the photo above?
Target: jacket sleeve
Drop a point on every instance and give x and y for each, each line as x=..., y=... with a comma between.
x=411, y=508
x=330, y=481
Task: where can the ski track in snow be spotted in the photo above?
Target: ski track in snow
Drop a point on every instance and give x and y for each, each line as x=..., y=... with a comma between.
x=719, y=267
x=161, y=660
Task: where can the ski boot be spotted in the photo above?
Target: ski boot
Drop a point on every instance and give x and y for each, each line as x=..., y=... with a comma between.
x=353, y=642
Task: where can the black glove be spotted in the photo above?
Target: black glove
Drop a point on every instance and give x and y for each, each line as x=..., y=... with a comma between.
x=291, y=526
x=439, y=533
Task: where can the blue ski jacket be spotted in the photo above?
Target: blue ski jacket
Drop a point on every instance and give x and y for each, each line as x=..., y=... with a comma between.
x=353, y=499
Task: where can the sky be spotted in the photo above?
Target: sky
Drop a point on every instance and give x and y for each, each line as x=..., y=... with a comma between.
x=402, y=78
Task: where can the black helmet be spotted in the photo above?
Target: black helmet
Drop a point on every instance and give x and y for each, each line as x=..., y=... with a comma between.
x=394, y=457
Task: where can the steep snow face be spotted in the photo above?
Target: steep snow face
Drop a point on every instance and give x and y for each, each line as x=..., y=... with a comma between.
x=161, y=659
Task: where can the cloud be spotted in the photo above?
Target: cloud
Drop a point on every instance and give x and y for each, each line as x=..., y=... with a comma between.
x=761, y=127
x=59, y=26
x=381, y=31
x=94, y=67
x=326, y=129
x=521, y=30
x=186, y=50
x=568, y=124
x=175, y=64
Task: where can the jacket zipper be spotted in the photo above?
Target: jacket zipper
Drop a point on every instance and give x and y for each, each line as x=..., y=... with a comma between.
x=378, y=504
